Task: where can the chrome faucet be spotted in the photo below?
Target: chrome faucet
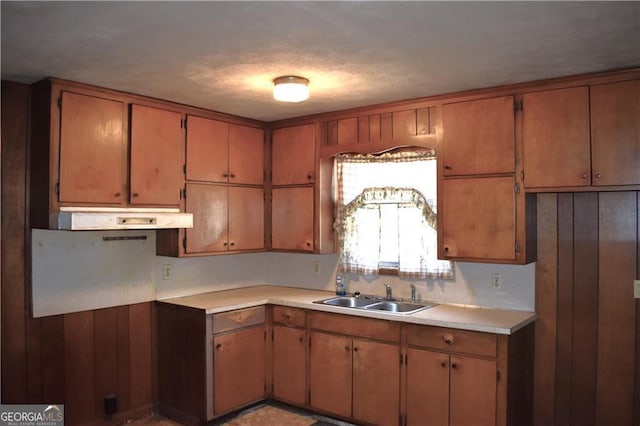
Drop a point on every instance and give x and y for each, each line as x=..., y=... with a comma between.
x=389, y=296
x=413, y=293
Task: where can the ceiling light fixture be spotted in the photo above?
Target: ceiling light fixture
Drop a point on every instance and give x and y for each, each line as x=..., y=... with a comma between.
x=290, y=88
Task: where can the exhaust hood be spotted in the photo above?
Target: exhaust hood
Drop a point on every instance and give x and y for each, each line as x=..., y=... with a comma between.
x=109, y=218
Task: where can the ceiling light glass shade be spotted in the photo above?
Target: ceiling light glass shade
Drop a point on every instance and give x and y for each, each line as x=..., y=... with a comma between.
x=290, y=89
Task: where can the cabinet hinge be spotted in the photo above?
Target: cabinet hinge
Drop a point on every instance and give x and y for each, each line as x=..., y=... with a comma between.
x=309, y=396
x=273, y=387
x=60, y=102
x=272, y=338
x=522, y=175
x=183, y=124
x=400, y=359
x=400, y=420
x=518, y=106
x=265, y=335
x=498, y=375
x=184, y=169
x=184, y=243
x=57, y=188
x=517, y=188
x=517, y=247
x=406, y=359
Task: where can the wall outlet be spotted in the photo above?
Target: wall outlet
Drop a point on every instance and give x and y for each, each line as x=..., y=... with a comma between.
x=496, y=281
x=166, y=272
x=636, y=289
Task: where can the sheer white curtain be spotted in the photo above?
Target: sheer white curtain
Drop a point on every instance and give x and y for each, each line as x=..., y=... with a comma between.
x=386, y=213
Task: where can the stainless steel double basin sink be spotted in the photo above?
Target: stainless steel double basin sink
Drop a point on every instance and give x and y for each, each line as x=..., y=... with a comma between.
x=373, y=304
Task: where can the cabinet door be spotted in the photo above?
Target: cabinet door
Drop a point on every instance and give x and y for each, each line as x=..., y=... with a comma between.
x=376, y=382
x=427, y=374
x=292, y=218
x=93, y=152
x=289, y=366
x=209, y=205
x=330, y=371
x=472, y=391
x=246, y=218
x=238, y=369
x=555, y=132
x=615, y=133
x=207, y=149
x=478, y=218
x=479, y=137
x=293, y=155
x=246, y=155
x=156, y=156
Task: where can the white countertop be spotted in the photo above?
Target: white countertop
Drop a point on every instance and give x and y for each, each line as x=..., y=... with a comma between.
x=499, y=321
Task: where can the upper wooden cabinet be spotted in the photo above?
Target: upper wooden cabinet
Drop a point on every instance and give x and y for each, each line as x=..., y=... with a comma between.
x=292, y=218
x=225, y=218
x=615, y=133
x=479, y=137
x=555, y=129
x=156, y=156
x=95, y=147
x=93, y=150
x=293, y=155
x=224, y=152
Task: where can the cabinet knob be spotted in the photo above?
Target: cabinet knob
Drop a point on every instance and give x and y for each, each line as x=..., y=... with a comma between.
x=218, y=346
x=598, y=175
x=346, y=348
x=308, y=243
x=448, y=339
x=443, y=364
x=447, y=167
x=355, y=349
x=310, y=176
x=117, y=194
x=454, y=365
x=225, y=175
x=225, y=244
x=300, y=339
x=232, y=175
x=135, y=194
x=446, y=248
x=232, y=243
x=584, y=175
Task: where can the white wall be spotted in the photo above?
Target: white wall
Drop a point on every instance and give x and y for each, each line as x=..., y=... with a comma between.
x=75, y=271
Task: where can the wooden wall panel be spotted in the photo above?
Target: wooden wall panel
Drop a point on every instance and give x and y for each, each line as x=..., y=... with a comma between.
x=546, y=308
x=616, y=342
x=71, y=359
x=589, y=324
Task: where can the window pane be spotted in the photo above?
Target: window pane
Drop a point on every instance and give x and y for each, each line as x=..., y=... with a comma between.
x=389, y=233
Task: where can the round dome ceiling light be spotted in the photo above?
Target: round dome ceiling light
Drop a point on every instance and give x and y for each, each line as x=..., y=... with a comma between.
x=290, y=88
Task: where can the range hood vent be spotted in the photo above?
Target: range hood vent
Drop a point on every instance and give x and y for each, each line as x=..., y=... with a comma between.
x=109, y=218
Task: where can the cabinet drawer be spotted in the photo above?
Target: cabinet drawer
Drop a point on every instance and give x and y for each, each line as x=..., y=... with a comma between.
x=232, y=320
x=356, y=326
x=291, y=317
x=452, y=340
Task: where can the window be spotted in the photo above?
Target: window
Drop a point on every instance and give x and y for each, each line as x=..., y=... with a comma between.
x=386, y=214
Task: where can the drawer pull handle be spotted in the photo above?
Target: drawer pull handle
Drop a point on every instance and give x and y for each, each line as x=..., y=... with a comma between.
x=448, y=339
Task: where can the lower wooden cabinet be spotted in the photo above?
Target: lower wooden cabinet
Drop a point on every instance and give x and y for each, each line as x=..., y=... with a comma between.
x=238, y=369
x=363, y=370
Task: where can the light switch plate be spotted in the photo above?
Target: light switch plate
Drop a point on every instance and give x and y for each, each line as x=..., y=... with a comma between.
x=636, y=289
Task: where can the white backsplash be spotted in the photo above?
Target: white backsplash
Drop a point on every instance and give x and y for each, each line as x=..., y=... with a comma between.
x=75, y=271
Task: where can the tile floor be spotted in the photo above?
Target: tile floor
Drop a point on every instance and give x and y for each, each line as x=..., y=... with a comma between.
x=263, y=414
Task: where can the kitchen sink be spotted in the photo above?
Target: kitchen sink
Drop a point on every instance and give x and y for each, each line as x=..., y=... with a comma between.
x=375, y=304
x=347, y=301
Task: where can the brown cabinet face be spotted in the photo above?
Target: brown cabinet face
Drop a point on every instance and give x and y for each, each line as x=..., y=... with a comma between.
x=207, y=149
x=330, y=372
x=427, y=374
x=93, y=151
x=289, y=364
x=209, y=205
x=156, y=156
x=293, y=155
x=479, y=137
x=246, y=155
x=555, y=133
x=472, y=391
x=238, y=369
x=478, y=218
x=615, y=133
x=292, y=218
x=376, y=382
x=246, y=218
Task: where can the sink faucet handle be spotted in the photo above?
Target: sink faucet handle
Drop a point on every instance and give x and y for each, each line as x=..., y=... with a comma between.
x=388, y=288
x=413, y=293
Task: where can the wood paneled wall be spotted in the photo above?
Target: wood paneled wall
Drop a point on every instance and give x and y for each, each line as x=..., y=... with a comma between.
x=74, y=359
x=587, y=356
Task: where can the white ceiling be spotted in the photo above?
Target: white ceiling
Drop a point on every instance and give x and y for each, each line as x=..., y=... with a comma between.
x=224, y=55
